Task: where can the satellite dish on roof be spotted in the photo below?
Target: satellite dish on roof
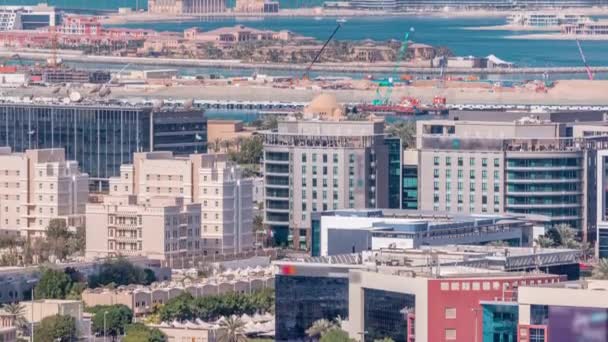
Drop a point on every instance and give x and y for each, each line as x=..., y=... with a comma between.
x=75, y=96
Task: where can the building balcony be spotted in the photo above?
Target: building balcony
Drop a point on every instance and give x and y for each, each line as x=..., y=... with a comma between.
x=543, y=193
x=542, y=180
x=544, y=168
x=542, y=205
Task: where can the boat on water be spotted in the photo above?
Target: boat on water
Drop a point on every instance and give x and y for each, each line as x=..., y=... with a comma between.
x=341, y=20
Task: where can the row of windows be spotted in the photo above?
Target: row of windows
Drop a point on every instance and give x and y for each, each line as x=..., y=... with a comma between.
x=460, y=186
x=495, y=285
x=10, y=172
x=324, y=157
x=448, y=174
x=484, y=198
x=159, y=177
x=459, y=208
x=460, y=161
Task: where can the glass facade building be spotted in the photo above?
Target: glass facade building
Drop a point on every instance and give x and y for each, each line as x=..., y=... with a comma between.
x=100, y=137
x=301, y=300
x=394, y=172
x=385, y=314
x=409, y=196
x=500, y=322
x=550, y=185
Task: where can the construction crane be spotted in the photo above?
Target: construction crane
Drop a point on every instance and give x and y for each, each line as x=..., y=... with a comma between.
x=389, y=82
x=580, y=51
x=305, y=76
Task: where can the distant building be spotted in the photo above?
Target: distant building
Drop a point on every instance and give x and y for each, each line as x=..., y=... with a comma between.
x=27, y=17
x=39, y=186
x=546, y=19
x=224, y=135
x=101, y=137
x=586, y=29
x=239, y=34
x=177, y=7
x=256, y=6
x=326, y=162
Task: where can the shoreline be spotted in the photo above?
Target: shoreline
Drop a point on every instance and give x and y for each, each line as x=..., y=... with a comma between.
x=326, y=67
x=558, y=36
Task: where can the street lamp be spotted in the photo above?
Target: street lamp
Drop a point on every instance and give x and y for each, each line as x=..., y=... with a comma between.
x=104, y=326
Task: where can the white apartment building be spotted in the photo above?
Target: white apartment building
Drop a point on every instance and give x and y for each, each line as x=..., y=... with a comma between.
x=211, y=180
x=162, y=228
x=38, y=186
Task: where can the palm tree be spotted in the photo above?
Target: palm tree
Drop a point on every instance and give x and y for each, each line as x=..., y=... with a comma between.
x=232, y=329
x=17, y=311
x=319, y=328
x=600, y=271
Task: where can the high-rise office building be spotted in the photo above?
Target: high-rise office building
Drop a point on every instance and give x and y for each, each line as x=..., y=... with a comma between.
x=326, y=162
x=100, y=136
x=541, y=167
x=208, y=179
x=39, y=186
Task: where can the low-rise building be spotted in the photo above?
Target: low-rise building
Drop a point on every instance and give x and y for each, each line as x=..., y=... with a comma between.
x=39, y=186
x=353, y=231
x=256, y=6
x=397, y=293
x=238, y=34
x=224, y=135
x=35, y=311
x=141, y=299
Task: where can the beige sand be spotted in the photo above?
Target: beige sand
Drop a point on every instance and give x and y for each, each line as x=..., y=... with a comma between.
x=580, y=92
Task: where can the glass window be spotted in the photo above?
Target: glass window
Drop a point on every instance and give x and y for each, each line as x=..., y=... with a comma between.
x=303, y=157
x=459, y=161
x=435, y=161
x=450, y=313
x=450, y=334
x=384, y=314
x=472, y=161
x=484, y=162
x=496, y=162
x=448, y=161
x=314, y=157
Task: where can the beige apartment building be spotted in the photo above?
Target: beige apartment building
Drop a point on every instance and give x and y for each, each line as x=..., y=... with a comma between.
x=186, y=6
x=223, y=199
x=162, y=228
x=39, y=186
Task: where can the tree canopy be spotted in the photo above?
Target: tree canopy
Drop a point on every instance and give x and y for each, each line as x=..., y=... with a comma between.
x=139, y=332
x=53, y=284
x=186, y=307
x=56, y=328
x=121, y=272
x=336, y=335
x=117, y=318
x=250, y=151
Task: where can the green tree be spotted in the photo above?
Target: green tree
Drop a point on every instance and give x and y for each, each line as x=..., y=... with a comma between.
x=560, y=236
x=319, y=328
x=406, y=130
x=600, y=271
x=179, y=308
x=53, y=284
x=250, y=151
x=139, y=332
x=17, y=311
x=231, y=329
x=56, y=328
x=57, y=235
x=117, y=317
x=208, y=308
x=120, y=272
x=336, y=335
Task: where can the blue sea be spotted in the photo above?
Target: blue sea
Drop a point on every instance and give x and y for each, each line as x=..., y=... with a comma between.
x=438, y=31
